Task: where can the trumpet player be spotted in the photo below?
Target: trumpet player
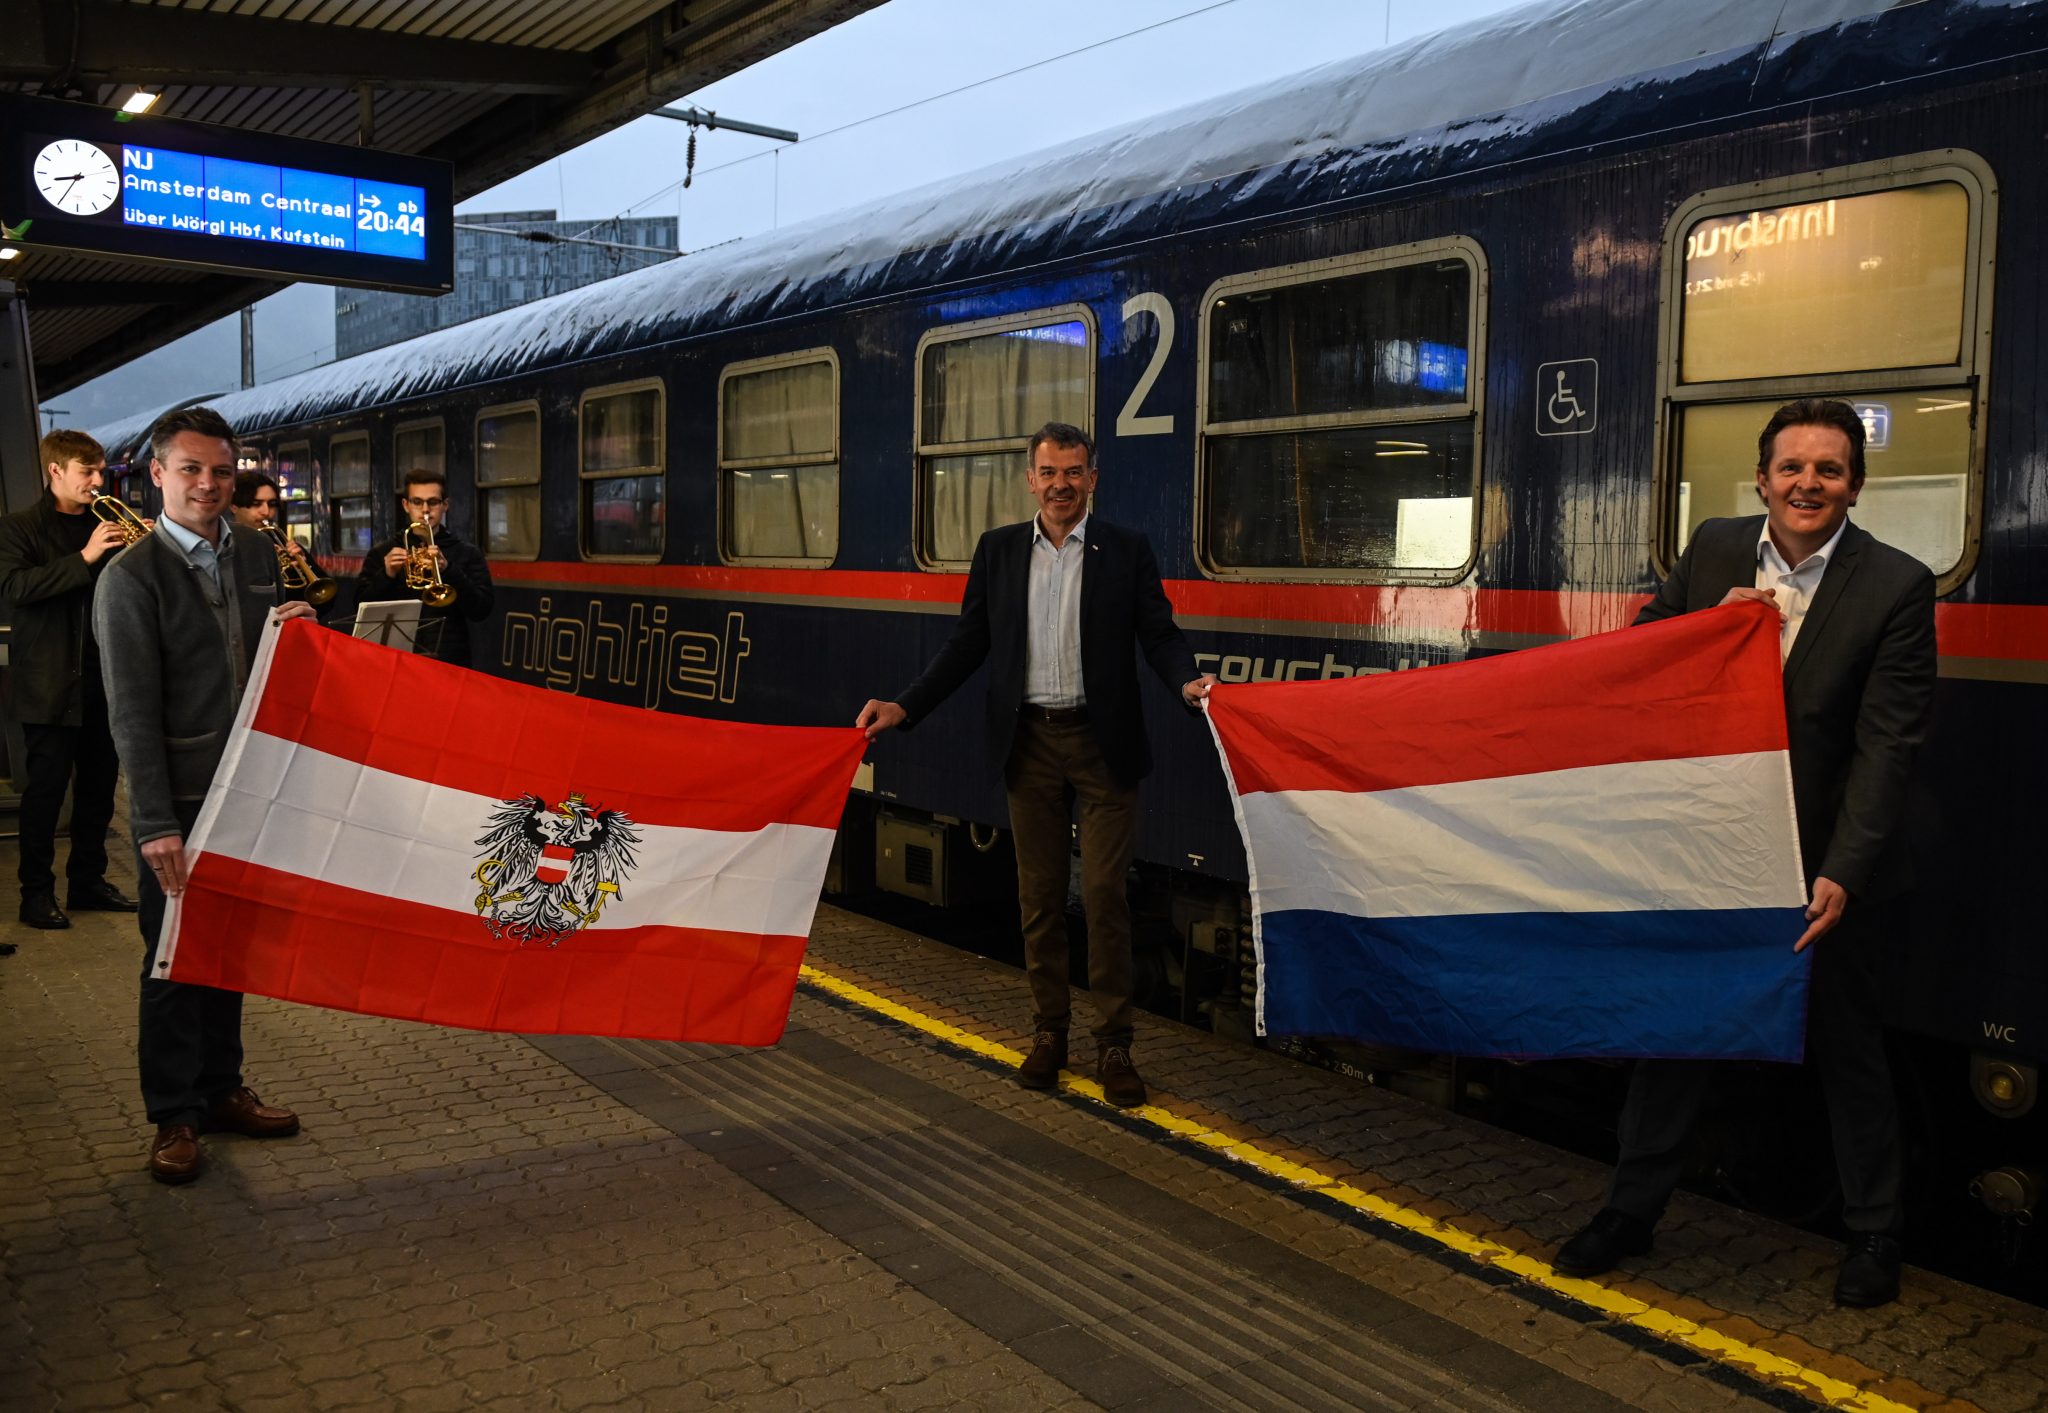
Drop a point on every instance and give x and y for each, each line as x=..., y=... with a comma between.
x=424, y=499
x=257, y=508
x=51, y=555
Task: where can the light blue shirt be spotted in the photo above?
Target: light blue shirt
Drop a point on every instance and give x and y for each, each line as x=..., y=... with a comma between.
x=196, y=550
x=1052, y=644
x=1793, y=583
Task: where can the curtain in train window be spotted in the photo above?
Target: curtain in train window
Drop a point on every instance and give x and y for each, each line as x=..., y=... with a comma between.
x=1836, y=286
x=779, y=460
x=348, y=494
x=982, y=396
x=508, y=482
x=1870, y=283
x=624, y=486
x=1340, y=424
x=417, y=449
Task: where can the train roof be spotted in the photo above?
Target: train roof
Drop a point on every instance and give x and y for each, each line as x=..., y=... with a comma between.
x=1545, y=80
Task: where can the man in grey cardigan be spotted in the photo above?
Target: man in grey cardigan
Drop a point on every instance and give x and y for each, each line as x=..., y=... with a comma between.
x=178, y=616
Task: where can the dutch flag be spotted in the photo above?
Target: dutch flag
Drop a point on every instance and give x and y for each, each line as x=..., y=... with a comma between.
x=1581, y=849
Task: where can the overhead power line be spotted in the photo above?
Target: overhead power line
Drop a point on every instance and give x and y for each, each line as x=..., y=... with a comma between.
x=933, y=98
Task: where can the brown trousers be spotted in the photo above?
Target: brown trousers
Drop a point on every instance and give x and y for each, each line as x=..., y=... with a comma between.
x=1046, y=761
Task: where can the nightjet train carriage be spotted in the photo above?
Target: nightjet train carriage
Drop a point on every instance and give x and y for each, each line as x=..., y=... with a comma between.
x=1387, y=384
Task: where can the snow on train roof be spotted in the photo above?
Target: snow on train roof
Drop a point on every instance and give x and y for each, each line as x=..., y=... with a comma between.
x=121, y=438
x=1105, y=188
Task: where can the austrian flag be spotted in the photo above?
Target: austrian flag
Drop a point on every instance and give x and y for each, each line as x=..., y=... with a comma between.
x=392, y=835
x=1581, y=849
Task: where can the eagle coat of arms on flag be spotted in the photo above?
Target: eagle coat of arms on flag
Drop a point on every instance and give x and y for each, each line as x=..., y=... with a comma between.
x=547, y=871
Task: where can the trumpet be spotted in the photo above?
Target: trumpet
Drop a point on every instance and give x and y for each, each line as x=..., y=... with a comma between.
x=295, y=574
x=121, y=516
x=423, y=567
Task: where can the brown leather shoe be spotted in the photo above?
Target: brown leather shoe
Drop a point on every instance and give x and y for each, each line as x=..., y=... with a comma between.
x=174, y=1154
x=1119, y=1077
x=1041, y=1068
x=242, y=1112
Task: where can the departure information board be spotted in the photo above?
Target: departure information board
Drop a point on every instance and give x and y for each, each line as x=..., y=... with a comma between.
x=84, y=178
x=219, y=196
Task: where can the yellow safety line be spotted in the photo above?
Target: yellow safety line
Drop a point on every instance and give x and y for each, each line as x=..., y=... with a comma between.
x=1675, y=1328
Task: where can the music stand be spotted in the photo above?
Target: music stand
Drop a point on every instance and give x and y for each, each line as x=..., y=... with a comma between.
x=395, y=623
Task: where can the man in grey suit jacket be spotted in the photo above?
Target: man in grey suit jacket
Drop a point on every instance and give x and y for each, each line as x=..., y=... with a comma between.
x=1055, y=606
x=178, y=616
x=1859, y=654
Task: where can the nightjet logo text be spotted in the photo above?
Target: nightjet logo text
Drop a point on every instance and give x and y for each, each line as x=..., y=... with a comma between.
x=643, y=654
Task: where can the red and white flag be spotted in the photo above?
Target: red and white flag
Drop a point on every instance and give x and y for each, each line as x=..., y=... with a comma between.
x=396, y=836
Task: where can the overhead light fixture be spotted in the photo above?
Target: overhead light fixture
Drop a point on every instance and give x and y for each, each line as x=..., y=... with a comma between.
x=9, y=252
x=140, y=101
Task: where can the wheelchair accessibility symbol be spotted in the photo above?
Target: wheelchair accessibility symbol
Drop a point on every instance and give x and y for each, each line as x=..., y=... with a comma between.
x=1567, y=397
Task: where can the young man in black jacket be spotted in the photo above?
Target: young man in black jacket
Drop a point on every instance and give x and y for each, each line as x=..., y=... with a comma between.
x=463, y=567
x=51, y=555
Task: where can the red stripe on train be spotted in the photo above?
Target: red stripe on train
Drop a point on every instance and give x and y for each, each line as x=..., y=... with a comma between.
x=2014, y=632
x=853, y=585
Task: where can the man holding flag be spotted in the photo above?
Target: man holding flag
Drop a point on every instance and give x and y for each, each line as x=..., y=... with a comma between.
x=178, y=617
x=1858, y=647
x=1055, y=605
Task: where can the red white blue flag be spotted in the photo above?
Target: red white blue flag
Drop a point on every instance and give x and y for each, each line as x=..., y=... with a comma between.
x=396, y=836
x=1587, y=848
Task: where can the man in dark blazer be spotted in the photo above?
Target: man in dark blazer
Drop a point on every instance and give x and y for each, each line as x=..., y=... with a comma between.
x=1055, y=605
x=179, y=615
x=1859, y=653
x=51, y=554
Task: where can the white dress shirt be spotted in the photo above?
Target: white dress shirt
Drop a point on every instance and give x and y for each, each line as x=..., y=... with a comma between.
x=1793, y=583
x=1052, y=644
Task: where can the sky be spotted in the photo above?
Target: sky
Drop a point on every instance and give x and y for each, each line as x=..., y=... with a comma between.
x=911, y=92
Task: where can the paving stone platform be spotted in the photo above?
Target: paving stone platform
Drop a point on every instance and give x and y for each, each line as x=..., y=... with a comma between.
x=865, y=1216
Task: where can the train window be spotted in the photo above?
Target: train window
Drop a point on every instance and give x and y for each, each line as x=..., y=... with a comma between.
x=983, y=389
x=778, y=459
x=1826, y=286
x=1340, y=417
x=348, y=493
x=1870, y=285
x=508, y=480
x=623, y=503
x=417, y=446
x=292, y=468
x=1916, y=457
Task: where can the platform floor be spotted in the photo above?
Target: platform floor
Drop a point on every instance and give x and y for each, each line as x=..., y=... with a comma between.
x=870, y=1215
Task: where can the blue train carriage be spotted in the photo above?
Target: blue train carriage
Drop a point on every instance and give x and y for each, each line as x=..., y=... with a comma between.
x=1430, y=354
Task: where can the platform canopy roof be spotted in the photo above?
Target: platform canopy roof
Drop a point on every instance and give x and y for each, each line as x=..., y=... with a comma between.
x=491, y=86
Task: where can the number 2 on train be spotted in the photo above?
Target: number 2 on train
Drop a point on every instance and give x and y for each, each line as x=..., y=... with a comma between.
x=1128, y=422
